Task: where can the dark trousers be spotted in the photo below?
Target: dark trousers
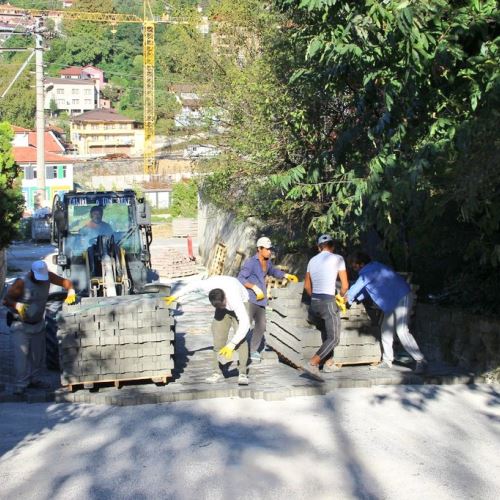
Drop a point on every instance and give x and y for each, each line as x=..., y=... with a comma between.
x=257, y=316
x=328, y=312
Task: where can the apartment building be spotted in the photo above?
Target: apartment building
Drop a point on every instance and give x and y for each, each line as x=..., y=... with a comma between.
x=74, y=96
x=105, y=131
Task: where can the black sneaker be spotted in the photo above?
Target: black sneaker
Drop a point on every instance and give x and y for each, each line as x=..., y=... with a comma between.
x=420, y=367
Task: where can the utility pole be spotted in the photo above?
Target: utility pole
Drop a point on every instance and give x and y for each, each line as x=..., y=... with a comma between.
x=40, y=117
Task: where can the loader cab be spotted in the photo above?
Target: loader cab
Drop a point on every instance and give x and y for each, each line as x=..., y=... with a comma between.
x=84, y=222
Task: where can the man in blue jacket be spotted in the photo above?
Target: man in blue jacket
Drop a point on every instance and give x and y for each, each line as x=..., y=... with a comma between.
x=392, y=294
x=253, y=277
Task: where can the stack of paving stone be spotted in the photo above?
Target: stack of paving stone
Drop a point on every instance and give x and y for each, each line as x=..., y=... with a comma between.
x=115, y=339
x=289, y=333
x=170, y=263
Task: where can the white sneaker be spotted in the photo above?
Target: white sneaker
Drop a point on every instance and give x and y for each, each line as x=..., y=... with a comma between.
x=214, y=378
x=242, y=379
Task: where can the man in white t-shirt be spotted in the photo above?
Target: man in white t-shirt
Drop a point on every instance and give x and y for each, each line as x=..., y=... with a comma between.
x=229, y=297
x=321, y=277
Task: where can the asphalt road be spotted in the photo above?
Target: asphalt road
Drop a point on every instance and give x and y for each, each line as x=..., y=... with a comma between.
x=407, y=442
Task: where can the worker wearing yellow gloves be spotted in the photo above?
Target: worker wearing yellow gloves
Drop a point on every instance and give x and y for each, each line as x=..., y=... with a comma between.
x=253, y=277
x=320, y=282
x=229, y=298
x=26, y=299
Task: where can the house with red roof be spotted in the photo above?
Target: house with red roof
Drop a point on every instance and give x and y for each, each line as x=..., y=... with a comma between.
x=58, y=168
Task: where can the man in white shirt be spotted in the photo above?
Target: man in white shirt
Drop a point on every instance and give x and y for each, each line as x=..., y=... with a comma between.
x=319, y=284
x=229, y=297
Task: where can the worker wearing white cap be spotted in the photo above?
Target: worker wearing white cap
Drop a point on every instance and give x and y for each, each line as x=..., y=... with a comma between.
x=26, y=298
x=253, y=277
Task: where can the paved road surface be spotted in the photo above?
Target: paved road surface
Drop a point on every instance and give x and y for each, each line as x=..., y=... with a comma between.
x=408, y=442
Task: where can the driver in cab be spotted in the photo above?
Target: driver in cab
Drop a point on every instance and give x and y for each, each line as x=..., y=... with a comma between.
x=96, y=226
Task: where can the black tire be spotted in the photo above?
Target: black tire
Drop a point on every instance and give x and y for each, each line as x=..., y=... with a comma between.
x=54, y=305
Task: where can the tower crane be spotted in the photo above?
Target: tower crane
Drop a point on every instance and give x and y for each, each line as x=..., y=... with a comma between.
x=148, y=22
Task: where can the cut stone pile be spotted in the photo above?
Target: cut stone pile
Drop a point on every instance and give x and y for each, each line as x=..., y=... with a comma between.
x=170, y=263
x=113, y=339
x=296, y=340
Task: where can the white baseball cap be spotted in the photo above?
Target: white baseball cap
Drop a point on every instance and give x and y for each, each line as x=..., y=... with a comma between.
x=324, y=238
x=265, y=242
x=40, y=270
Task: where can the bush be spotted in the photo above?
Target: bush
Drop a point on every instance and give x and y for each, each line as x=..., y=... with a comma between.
x=184, y=199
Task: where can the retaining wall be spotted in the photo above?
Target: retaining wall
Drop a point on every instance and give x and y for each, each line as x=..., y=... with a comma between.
x=217, y=226
x=466, y=340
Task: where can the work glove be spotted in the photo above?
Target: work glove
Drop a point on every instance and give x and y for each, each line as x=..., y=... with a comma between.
x=71, y=297
x=341, y=303
x=169, y=300
x=292, y=278
x=227, y=350
x=21, y=308
x=259, y=294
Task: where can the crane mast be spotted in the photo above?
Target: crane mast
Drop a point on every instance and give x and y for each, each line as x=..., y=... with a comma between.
x=148, y=25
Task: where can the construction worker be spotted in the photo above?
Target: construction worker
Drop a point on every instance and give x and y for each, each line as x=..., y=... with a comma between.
x=392, y=294
x=253, y=277
x=26, y=298
x=320, y=282
x=96, y=226
x=229, y=299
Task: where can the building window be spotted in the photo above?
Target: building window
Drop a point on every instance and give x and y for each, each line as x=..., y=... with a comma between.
x=29, y=173
x=60, y=102
x=95, y=126
x=60, y=91
x=75, y=91
x=87, y=91
x=61, y=172
x=75, y=101
x=88, y=102
x=51, y=172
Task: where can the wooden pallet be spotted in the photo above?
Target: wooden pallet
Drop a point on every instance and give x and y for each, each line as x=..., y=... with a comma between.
x=93, y=384
x=373, y=362
x=217, y=266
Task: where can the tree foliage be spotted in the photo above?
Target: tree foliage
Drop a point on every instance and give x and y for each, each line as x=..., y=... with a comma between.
x=379, y=119
x=184, y=199
x=11, y=199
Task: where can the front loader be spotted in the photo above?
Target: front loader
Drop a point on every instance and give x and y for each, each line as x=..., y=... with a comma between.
x=120, y=329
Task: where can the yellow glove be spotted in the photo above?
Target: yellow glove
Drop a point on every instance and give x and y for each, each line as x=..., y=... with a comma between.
x=71, y=297
x=340, y=301
x=21, y=309
x=227, y=350
x=169, y=300
x=259, y=294
x=292, y=278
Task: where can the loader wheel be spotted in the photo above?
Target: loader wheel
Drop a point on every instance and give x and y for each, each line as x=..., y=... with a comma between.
x=54, y=305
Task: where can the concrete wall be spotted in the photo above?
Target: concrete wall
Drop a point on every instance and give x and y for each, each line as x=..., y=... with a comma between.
x=215, y=226
x=470, y=341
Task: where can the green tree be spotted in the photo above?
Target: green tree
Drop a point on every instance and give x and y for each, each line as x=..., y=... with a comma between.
x=184, y=199
x=11, y=199
x=369, y=116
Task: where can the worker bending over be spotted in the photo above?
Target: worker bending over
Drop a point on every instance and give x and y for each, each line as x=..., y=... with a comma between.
x=392, y=294
x=229, y=298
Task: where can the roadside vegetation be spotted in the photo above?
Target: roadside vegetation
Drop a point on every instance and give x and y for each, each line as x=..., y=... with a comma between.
x=373, y=121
